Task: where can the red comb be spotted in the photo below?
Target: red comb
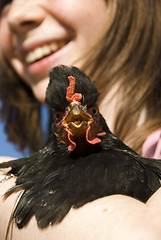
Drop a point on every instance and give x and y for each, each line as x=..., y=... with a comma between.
x=71, y=95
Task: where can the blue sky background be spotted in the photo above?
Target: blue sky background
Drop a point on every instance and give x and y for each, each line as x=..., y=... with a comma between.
x=9, y=149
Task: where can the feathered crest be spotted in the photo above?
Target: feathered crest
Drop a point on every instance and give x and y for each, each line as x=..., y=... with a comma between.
x=59, y=82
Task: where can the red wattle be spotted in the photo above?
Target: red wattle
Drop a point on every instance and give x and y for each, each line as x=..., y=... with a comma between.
x=91, y=138
x=72, y=145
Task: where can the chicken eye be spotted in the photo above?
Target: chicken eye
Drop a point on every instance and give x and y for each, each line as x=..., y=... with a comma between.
x=58, y=116
x=94, y=111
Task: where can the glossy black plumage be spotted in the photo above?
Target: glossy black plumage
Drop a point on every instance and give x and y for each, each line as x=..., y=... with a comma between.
x=55, y=179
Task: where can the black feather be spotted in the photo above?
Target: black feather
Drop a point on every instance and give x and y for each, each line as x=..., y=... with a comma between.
x=55, y=180
x=56, y=92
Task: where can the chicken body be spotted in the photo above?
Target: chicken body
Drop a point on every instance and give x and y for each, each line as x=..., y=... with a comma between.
x=81, y=161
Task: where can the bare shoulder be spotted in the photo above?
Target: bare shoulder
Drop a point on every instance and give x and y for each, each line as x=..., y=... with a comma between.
x=5, y=158
x=5, y=204
x=113, y=218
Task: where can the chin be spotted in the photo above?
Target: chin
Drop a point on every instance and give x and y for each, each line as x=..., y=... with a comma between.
x=39, y=90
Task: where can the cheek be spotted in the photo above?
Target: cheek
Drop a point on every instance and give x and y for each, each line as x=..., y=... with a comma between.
x=85, y=16
x=6, y=39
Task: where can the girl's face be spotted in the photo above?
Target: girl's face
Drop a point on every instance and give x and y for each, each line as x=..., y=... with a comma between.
x=38, y=35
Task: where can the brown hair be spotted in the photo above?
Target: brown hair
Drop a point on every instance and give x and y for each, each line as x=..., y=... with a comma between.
x=20, y=111
x=129, y=53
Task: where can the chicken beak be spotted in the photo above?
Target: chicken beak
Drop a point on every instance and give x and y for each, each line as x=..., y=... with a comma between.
x=76, y=117
x=80, y=126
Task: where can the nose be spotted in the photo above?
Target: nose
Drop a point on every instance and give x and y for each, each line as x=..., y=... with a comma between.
x=25, y=14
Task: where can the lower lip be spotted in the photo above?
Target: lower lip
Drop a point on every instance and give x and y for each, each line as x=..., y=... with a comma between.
x=45, y=64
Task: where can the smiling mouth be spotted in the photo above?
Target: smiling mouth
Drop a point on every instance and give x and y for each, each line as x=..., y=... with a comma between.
x=43, y=51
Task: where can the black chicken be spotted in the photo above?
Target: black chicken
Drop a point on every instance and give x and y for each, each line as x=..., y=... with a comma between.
x=82, y=160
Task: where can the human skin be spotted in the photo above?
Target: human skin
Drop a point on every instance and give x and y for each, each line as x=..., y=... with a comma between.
x=74, y=23
x=22, y=31
x=73, y=26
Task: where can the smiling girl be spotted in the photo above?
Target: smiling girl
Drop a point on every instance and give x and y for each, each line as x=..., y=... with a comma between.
x=117, y=43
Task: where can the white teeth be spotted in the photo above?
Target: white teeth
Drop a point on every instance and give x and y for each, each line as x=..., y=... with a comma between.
x=42, y=51
x=30, y=57
x=38, y=53
x=46, y=50
x=54, y=46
